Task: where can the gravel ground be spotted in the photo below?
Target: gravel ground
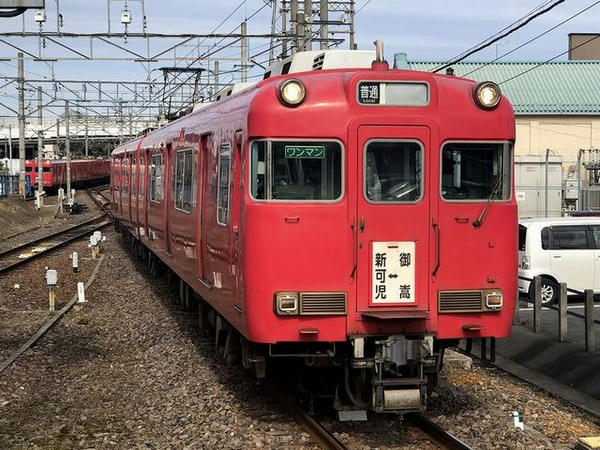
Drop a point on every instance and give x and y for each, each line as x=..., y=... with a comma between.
x=26, y=224
x=128, y=370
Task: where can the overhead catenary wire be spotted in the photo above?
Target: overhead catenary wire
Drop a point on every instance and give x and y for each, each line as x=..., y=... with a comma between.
x=533, y=39
x=497, y=37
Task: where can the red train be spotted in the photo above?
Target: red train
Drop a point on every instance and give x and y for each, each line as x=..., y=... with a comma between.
x=356, y=221
x=55, y=171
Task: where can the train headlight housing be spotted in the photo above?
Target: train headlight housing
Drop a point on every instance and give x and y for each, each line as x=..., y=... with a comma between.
x=286, y=303
x=487, y=95
x=494, y=300
x=292, y=92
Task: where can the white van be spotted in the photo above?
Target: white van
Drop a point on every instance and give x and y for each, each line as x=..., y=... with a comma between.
x=561, y=250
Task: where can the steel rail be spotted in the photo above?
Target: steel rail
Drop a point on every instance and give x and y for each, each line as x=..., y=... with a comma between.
x=318, y=432
x=59, y=244
x=435, y=432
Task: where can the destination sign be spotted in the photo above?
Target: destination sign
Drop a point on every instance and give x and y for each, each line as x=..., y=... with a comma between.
x=305, y=151
x=369, y=93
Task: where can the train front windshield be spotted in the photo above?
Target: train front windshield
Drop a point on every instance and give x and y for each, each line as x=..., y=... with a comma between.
x=300, y=171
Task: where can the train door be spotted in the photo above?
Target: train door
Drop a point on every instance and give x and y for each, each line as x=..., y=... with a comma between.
x=235, y=209
x=147, y=187
x=168, y=195
x=203, y=193
x=393, y=262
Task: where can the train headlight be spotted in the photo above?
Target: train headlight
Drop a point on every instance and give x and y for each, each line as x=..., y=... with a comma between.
x=494, y=300
x=487, y=95
x=286, y=303
x=292, y=92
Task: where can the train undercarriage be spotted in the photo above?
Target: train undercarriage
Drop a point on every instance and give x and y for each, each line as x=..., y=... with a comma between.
x=384, y=374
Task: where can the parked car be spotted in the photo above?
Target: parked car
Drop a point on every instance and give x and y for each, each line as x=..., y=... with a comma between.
x=561, y=250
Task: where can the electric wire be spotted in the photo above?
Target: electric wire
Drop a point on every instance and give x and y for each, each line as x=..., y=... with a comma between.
x=498, y=37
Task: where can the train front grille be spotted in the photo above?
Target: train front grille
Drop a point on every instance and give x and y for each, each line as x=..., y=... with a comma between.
x=322, y=303
x=460, y=301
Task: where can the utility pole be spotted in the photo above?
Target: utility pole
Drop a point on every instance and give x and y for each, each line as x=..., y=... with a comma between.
x=40, y=173
x=351, y=14
x=284, y=45
x=21, y=88
x=324, y=17
x=87, y=144
x=273, y=22
x=10, y=148
x=244, y=32
x=294, y=24
x=57, y=137
x=216, y=78
x=68, y=151
x=307, y=25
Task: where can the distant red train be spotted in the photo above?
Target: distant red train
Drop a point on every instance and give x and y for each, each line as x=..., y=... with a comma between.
x=55, y=171
x=356, y=221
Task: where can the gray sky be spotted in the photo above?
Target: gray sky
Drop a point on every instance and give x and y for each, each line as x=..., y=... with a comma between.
x=425, y=29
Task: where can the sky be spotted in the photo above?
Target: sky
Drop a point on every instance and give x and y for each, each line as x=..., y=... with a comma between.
x=426, y=30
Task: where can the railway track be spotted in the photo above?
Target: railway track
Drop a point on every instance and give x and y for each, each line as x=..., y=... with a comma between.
x=326, y=440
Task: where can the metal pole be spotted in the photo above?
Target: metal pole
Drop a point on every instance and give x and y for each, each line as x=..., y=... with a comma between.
x=307, y=25
x=57, y=17
x=10, y=148
x=562, y=313
x=324, y=16
x=546, y=183
x=294, y=24
x=57, y=136
x=284, y=28
x=351, y=14
x=120, y=121
x=590, y=335
x=40, y=178
x=216, y=78
x=244, y=31
x=537, y=304
x=108, y=14
x=21, y=89
x=68, y=151
x=579, y=203
x=87, y=129
x=273, y=22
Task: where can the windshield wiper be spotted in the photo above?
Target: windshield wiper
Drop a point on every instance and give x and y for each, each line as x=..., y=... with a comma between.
x=477, y=223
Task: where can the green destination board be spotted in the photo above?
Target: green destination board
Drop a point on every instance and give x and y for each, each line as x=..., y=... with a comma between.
x=305, y=151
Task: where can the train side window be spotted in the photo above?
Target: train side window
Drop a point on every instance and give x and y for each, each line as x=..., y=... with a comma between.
x=258, y=172
x=125, y=175
x=223, y=184
x=476, y=171
x=156, y=178
x=393, y=171
x=183, y=180
x=133, y=176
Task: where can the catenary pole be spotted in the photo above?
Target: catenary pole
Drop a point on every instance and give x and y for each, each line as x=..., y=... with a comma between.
x=40, y=173
x=68, y=151
x=21, y=89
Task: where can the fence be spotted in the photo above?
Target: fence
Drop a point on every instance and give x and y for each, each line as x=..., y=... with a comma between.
x=588, y=316
x=9, y=185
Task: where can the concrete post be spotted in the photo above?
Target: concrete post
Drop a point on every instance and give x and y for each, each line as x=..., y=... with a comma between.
x=294, y=24
x=68, y=151
x=10, y=148
x=324, y=17
x=307, y=25
x=284, y=45
x=562, y=313
x=40, y=174
x=244, y=55
x=537, y=304
x=21, y=101
x=590, y=336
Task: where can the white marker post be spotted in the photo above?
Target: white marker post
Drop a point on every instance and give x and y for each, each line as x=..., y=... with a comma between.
x=81, y=293
x=518, y=419
x=75, y=261
x=51, y=281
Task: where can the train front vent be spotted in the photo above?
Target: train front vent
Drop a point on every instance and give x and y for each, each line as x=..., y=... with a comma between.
x=322, y=303
x=460, y=301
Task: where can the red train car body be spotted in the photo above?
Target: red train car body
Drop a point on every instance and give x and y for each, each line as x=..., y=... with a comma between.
x=366, y=227
x=55, y=171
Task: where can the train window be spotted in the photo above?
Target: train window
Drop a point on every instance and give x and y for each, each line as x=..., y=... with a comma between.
x=476, y=171
x=223, y=183
x=156, y=178
x=28, y=169
x=258, y=154
x=183, y=180
x=125, y=175
x=393, y=171
x=133, y=176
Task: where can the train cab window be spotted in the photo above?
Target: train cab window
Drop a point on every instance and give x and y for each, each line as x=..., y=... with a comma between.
x=223, y=183
x=476, y=171
x=28, y=169
x=183, y=180
x=156, y=178
x=296, y=171
x=393, y=171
